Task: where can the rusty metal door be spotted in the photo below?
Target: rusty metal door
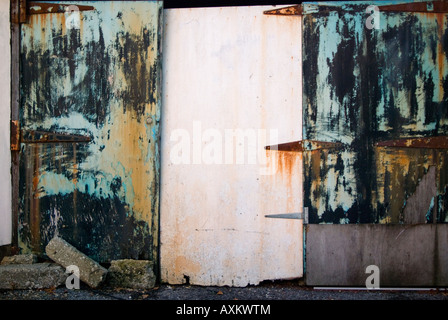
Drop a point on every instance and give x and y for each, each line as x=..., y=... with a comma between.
x=89, y=127
x=375, y=98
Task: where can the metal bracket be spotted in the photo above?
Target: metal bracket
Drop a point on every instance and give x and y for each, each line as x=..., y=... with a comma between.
x=35, y=136
x=424, y=7
x=15, y=135
x=295, y=216
x=18, y=11
x=43, y=7
x=21, y=9
x=286, y=11
x=304, y=145
x=437, y=142
x=418, y=7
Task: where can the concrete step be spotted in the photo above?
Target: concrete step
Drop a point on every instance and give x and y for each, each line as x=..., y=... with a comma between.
x=31, y=276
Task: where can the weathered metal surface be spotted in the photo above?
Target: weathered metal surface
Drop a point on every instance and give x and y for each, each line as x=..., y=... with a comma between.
x=231, y=87
x=94, y=82
x=399, y=173
x=362, y=86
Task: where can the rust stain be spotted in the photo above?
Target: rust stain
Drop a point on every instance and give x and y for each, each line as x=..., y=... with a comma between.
x=15, y=135
x=285, y=162
x=400, y=172
x=285, y=166
x=182, y=265
x=288, y=167
x=131, y=156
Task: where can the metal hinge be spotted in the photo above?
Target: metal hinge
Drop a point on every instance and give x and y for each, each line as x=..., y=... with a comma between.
x=295, y=216
x=286, y=11
x=417, y=7
x=41, y=136
x=21, y=9
x=424, y=7
x=18, y=11
x=437, y=142
x=43, y=7
x=15, y=135
x=304, y=145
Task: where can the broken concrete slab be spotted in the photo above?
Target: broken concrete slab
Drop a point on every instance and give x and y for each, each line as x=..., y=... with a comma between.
x=63, y=253
x=133, y=274
x=31, y=276
x=19, y=259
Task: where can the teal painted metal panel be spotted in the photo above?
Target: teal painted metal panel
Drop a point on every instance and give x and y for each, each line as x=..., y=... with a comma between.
x=95, y=76
x=366, y=85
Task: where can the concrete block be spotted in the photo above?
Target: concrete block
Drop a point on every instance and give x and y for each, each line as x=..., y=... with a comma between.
x=134, y=274
x=31, y=276
x=19, y=259
x=63, y=253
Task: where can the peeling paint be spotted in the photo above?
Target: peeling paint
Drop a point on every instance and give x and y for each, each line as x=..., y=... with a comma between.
x=102, y=81
x=362, y=86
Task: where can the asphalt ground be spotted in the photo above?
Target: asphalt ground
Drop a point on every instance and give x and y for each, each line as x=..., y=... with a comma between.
x=279, y=290
x=267, y=300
